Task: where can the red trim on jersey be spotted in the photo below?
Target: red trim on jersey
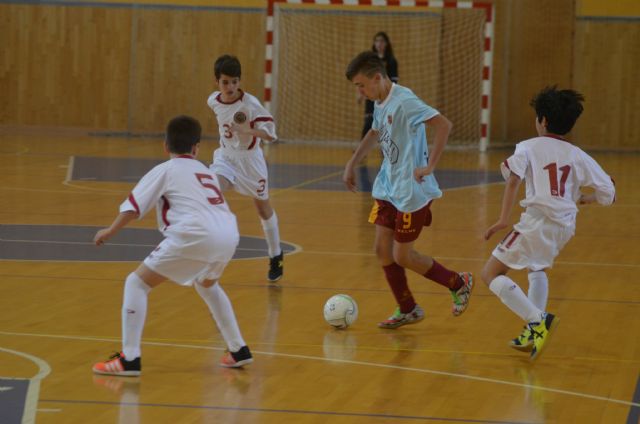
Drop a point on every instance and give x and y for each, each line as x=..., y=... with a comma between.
x=261, y=119
x=165, y=209
x=556, y=136
x=614, y=194
x=506, y=164
x=219, y=98
x=134, y=203
x=515, y=236
x=253, y=143
x=185, y=156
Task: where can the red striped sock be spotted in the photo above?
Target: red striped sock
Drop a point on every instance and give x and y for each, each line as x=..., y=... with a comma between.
x=444, y=276
x=397, y=280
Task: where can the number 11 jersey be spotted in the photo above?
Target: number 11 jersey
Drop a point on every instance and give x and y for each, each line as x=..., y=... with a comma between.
x=554, y=171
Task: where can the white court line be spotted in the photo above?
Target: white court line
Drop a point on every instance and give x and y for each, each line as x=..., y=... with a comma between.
x=33, y=392
x=350, y=362
x=72, y=161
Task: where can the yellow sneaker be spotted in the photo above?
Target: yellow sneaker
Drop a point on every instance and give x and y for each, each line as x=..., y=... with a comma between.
x=541, y=333
x=524, y=342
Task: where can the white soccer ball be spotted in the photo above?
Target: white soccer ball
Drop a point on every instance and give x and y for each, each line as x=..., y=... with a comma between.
x=340, y=311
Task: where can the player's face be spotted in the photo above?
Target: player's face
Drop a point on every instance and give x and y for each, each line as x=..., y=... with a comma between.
x=368, y=87
x=380, y=44
x=229, y=87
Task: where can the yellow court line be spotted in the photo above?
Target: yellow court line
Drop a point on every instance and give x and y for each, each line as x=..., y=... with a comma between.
x=308, y=182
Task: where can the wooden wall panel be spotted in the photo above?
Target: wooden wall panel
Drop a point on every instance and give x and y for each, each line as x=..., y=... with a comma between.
x=132, y=68
x=607, y=59
x=540, y=54
x=65, y=66
x=174, y=52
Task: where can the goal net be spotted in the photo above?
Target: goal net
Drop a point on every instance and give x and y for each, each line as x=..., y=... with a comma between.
x=443, y=55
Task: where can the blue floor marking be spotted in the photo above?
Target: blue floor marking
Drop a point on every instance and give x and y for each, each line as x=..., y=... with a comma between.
x=281, y=175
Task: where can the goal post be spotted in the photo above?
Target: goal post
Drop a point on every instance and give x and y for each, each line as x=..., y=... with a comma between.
x=443, y=49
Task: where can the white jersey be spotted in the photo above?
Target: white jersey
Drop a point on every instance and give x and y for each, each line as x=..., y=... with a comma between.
x=554, y=171
x=255, y=116
x=192, y=213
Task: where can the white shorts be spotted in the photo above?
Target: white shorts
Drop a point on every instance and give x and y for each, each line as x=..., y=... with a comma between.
x=185, y=271
x=247, y=171
x=533, y=243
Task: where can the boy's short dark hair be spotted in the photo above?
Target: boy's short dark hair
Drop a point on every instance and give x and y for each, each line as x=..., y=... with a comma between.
x=183, y=132
x=561, y=108
x=367, y=63
x=227, y=65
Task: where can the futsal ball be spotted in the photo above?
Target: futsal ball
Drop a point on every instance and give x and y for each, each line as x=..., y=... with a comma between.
x=340, y=311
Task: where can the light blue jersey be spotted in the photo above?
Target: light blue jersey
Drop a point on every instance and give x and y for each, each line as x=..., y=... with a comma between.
x=402, y=138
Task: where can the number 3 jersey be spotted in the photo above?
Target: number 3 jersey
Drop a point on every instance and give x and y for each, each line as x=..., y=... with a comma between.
x=554, y=171
x=245, y=111
x=191, y=211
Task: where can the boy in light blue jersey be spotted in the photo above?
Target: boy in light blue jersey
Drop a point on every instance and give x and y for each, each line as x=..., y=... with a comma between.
x=398, y=120
x=405, y=186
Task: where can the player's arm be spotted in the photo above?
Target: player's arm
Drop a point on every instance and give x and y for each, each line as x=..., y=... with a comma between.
x=255, y=132
x=508, y=200
x=121, y=221
x=596, y=178
x=142, y=198
x=442, y=129
x=368, y=142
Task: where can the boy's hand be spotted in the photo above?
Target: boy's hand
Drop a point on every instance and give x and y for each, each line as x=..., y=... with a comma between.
x=586, y=199
x=494, y=229
x=349, y=178
x=102, y=236
x=240, y=129
x=418, y=173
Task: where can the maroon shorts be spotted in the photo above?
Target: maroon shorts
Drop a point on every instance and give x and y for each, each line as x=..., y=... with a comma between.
x=406, y=225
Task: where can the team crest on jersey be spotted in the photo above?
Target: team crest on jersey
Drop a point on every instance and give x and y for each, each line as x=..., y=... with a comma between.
x=389, y=119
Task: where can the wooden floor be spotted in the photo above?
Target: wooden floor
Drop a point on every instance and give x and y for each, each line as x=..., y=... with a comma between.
x=58, y=318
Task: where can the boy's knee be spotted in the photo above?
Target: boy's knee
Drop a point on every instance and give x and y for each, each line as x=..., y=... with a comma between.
x=383, y=253
x=487, y=276
x=402, y=258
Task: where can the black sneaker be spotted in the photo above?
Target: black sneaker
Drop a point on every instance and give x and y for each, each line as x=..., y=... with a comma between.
x=237, y=359
x=118, y=365
x=276, y=268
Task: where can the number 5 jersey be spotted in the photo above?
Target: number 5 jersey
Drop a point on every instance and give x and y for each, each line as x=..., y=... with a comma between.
x=191, y=211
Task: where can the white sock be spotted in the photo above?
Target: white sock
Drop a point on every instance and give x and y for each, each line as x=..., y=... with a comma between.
x=538, y=289
x=271, y=233
x=222, y=311
x=513, y=296
x=134, y=311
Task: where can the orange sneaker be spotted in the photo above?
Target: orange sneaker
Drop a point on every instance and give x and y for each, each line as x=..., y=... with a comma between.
x=118, y=365
x=237, y=359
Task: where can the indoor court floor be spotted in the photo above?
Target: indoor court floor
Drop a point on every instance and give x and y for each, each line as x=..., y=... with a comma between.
x=60, y=299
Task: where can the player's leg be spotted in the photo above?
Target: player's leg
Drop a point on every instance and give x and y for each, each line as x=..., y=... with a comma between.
x=539, y=323
x=407, y=311
x=269, y=220
x=224, y=169
x=538, y=291
x=137, y=286
x=408, y=227
x=224, y=316
x=225, y=184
